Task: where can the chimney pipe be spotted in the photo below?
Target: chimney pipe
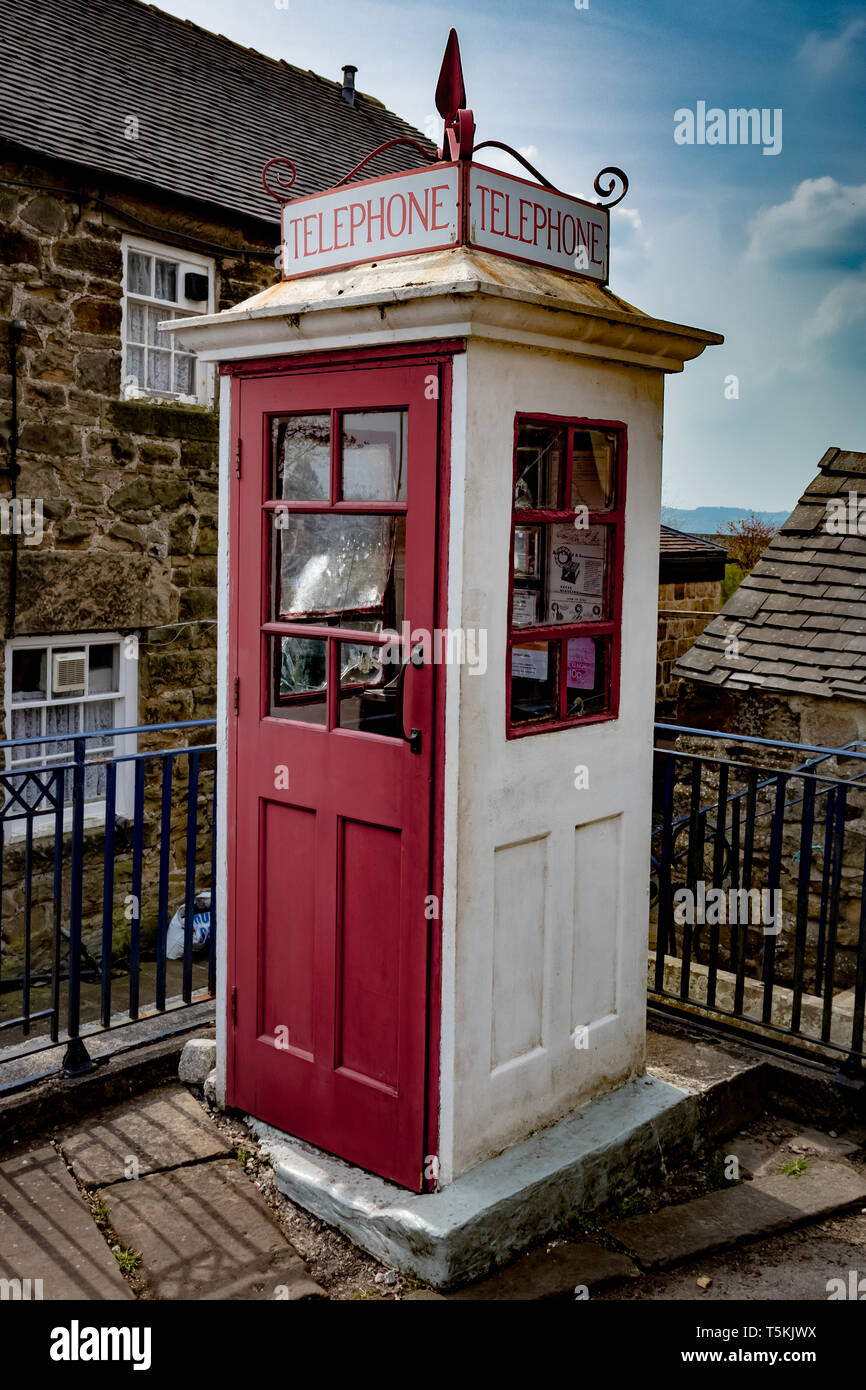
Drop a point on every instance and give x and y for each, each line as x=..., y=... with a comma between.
x=348, y=92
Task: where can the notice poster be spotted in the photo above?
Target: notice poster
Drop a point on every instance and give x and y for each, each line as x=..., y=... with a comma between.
x=529, y=663
x=575, y=574
x=581, y=663
x=524, y=608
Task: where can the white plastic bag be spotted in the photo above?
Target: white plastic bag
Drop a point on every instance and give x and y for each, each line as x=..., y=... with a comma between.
x=200, y=928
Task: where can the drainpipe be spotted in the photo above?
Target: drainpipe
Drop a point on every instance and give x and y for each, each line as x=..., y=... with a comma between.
x=11, y=471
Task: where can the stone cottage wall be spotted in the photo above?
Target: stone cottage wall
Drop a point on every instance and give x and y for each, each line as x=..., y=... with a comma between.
x=128, y=487
x=685, y=609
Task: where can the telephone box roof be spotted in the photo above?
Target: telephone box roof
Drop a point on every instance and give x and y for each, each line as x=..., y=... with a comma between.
x=439, y=287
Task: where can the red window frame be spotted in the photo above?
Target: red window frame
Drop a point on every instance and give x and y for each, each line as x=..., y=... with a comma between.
x=614, y=520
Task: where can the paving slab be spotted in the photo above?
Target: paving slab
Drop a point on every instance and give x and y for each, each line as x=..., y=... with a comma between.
x=808, y=1264
x=161, y=1129
x=552, y=1272
x=204, y=1232
x=745, y=1212
x=48, y=1234
x=814, y=1141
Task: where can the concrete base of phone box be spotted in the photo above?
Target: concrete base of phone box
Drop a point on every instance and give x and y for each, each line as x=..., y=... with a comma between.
x=501, y=1207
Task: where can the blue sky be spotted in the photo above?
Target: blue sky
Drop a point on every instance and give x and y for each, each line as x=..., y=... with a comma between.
x=768, y=249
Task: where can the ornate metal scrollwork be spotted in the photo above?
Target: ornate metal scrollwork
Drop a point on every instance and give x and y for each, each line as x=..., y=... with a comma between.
x=603, y=192
x=274, y=179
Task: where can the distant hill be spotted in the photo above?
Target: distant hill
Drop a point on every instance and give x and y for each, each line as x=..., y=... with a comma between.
x=706, y=521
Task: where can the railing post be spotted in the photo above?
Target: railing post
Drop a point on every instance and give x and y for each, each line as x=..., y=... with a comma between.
x=189, y=894
x=77, y=1059
x=665, y=934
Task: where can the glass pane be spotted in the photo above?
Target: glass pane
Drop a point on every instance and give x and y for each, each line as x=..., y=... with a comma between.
x=527, y=559
x=27, y=723
x=302, y=457
x=540, y=451
x=154, y=334
x=333, y=565
x=592, y=476
x=370, y=687
x=587, y=675
x=534, y=681
x=29, y=669
x=184, y=374
x=139, y=271
x=135, y=364
x=575, y=574
x=102, y=669
x=374, y=456
x=98, y=714
x=135, y=323
x=94, y=781
x=526, y=606
x=299, y=666
x=60, y=719
x=158, y=371
x=165, y=280
x=179, y=344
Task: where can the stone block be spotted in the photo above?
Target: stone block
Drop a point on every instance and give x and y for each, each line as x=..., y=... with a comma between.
x=45, y=214
x=197, y=1060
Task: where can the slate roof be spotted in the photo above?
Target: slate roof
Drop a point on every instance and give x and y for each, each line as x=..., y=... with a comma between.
x=800, y=616
x=688, y=557
x=211, y=113
x=683, y=543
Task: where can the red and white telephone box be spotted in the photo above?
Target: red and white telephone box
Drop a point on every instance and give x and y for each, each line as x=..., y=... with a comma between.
x=441, y=465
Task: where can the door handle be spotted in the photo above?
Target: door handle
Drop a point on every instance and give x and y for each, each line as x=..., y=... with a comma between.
x=413, y=738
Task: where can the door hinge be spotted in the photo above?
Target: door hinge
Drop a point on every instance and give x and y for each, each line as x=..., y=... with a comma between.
x=237, y=698
x=238, y=458
x=234, y=1006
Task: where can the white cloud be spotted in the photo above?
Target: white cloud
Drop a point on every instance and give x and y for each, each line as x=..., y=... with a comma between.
x=822, y=221
x=500, y=159
x=628, y=229
x=823, y=55
x=842, y=311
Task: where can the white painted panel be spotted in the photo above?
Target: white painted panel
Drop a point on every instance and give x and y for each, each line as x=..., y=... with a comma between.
x=519, y=911
x=597, y=867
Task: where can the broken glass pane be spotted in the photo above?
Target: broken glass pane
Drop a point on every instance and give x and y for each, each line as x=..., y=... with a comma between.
x=332, y=564
x=299, y=666
x=370, y=689
x=302, y=457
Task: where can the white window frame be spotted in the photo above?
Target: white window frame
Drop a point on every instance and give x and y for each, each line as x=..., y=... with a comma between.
x=185, y=261
x=126, y=706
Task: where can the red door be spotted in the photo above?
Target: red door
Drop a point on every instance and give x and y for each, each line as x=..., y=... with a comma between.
x=332, y=757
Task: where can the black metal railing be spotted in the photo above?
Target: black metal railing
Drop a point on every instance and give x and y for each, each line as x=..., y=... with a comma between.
x=101, y=853
x=758, y=890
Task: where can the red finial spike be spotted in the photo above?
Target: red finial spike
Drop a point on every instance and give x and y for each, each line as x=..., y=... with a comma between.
x=450, y=91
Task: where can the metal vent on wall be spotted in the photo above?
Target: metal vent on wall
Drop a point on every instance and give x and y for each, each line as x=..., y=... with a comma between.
x=68, y=672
